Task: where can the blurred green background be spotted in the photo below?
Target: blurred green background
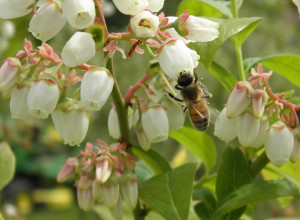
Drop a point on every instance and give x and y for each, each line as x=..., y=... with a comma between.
x=39, y=149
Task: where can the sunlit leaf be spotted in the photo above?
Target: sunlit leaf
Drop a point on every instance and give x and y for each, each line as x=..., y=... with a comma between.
x=170, y=194
x=7, y=164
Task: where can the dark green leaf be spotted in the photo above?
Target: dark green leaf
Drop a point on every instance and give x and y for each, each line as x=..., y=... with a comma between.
x=142, y=171
x=287, y=65
x=226, y=78
x=7, y=164
x=205, y=208
x=198, y=143
x=227, y=29
x=255, y=192
x=202, y=211
x=207, y=8
x=170, y=194
x=156, y=162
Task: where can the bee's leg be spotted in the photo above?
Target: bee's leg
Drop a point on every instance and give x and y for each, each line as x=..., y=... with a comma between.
x=178, y=87
x=207, y=96
x=196, y=77
x=185, y=108
x=173, y=97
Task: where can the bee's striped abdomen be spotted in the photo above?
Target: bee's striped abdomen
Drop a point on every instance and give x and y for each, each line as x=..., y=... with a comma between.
x=199, y=115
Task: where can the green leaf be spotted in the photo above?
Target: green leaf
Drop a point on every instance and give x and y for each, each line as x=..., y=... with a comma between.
x=156, y=162
x=255, y=192
x=7, y=164
x=233, y=173
x=287, y=65
x=227, y=29
x=226, y=78
x=170, y=194
x=142, y=171
x=198, y=143
x=207, y=8
x=205, y=208
x=241, y=36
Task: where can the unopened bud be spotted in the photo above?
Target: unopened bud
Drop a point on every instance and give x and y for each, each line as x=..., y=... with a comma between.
x=68, y=170
x=97, y=190
x=18, y=103
x=247, y=128
x=225, y=129
x=296, y=149
x=111, y=193
x=85, y=199
x=259, y=100
x=129, y=189
x=263, y=128
x=9, y=73
x=117, y=211
x=103, y=168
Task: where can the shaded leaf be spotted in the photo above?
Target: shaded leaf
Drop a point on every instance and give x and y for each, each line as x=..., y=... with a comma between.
x=207, y=8
x=197, y=142
x=156, y=162
x=255, y=192
x=7, y=164
x=205, y=208
x=170, y=194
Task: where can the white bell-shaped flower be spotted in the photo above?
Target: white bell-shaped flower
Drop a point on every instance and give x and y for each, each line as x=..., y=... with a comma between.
x=80, y=14
x=175, y=57
x=225, y=128
x=173, y=33
x=175, y=114
x=18, y=103
x=113, y=122
x=247, y=128
x=260, y=139
x=96, y=86
x=155, y=124
x=65, y=122
x=111, y=193
x=47, y=21
x=79, y=49
x=42, y=98
x=10, y=9
x=144, y=24
x=131, y=7
x=155, y=5
x=129, y=189
x=9, y=73
x=296, y=149
x=85, y=199
x=279, y=143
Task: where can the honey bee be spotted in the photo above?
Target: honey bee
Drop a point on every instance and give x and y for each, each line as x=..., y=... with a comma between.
x=194, y=95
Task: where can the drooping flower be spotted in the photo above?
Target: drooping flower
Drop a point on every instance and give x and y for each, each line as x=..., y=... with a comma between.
x=296, y=149
x=145, y=24
x=9, y=73
x=79, y=49
x=111, y=193
x=68, y=170
x=247, y=128
x=10, y=9
x=95, y=89
x=85, y=199
x=225, y=128
x=131, y=7
x=113, y=122
x=259, y=100
x=103, y=168
x=80, y=14
x=97, y=190
x=18, y=103
x=263, y=128
x=129, y=189
x=47, y=21
x=155, y=5
x=172, y=32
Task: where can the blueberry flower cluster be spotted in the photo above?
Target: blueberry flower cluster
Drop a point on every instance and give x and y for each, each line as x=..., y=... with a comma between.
x=258, y=117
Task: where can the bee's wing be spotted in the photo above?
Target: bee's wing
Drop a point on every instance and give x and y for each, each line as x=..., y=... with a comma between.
x=213, y=114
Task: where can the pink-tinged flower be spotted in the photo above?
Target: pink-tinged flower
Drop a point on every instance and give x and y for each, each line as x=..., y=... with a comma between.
x=10, y=9
x=79, y=49
x=145, y=24
x=85, y=182
x=247, y=128
x=111, y=193
x=80, y=14
x=155, y=124
x=47, y=21
x=117, y=211
x=96, y=86
x=239, y=99
x=42, y=98
x=103, y=169
x=85, y=199
x=172, y=32
x=175, y=57
x=131, y=7
x=225, y=128
x=18, y=103
x=263, y=128
x=175, y=114
x=66, y=121
x=196, y=28
x=9, y=73
x=68, y=170
x=279, y=143
x=259, y=100
x=155, y=5
x=296, y=149
x=129, y=189
x=97, y=191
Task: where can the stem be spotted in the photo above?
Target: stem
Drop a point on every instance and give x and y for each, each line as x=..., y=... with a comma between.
x=234, y=9
x=148, y=49
x=100, y=15
x=121, y=108
x=260, y=162
x=167, y=83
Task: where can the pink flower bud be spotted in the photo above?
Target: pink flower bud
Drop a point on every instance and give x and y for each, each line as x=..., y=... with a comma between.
x=47, y=21
x=65, y=122
x=9, y=73
x=18, y=103
x=68, y=170
x=145, y=24
x=279, y=143
x=131, y=7
x=259, y=100
x=129, y=189
x=260, y=139
x=225, y=129
x=155, y=124
x=42, y=98
x=155, y=5
x=111, y=193
x=239, y=99
x=10, y=9
x=85, y=199
x=85, y=182
x=247, y=128
x=80, y=14
x=175, y=57
x=103, y=168
x=296, y=149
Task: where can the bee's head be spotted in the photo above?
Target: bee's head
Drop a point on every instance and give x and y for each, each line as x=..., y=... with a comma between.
x=185, y=79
